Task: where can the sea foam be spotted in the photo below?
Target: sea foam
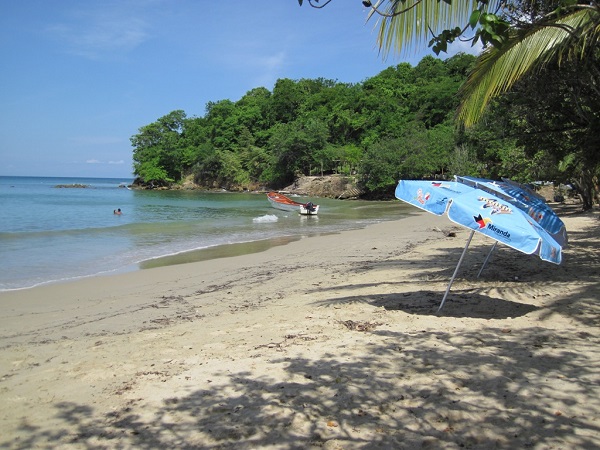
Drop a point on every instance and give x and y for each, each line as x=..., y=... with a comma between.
x=267, y=218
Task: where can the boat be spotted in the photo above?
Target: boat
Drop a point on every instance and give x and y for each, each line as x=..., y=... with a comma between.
x=280, y=201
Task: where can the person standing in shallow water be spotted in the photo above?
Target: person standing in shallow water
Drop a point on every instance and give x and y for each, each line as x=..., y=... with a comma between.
x=117, y=212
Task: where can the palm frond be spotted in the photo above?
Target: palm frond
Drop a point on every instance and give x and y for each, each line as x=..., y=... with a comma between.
x=497, y=70
x=409, y=25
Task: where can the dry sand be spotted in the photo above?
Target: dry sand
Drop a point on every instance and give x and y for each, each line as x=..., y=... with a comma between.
x=327, y=342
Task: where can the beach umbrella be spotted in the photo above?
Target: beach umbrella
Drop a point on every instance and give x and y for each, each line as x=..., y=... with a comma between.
x=525, y=199
x=481, y=212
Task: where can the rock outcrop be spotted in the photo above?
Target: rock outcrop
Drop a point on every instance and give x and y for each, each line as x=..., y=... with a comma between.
x=331, y=186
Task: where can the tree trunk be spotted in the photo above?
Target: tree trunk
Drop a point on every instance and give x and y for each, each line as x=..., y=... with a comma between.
x=586, y=189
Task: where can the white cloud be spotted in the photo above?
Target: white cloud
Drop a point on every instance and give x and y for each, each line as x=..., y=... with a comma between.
x=96, y=34
x=273, y=62
x=97, y=161
x=270, y=69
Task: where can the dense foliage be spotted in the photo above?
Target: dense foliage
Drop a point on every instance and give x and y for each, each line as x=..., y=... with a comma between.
x=533, y=90
x=397, y=124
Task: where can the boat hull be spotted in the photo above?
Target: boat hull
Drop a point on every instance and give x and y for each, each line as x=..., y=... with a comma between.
x=279, y=201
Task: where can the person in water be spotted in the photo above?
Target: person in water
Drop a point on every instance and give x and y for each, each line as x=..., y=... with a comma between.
x=117, y=212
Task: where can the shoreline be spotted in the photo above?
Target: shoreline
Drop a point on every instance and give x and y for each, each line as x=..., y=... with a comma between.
x=331, y=341
x=92, y=241
x=185, y=257
x=217, y=251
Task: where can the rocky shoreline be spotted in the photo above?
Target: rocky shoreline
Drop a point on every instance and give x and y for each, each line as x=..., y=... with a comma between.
x=329, y=186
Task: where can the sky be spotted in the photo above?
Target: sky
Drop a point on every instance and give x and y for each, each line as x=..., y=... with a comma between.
x=79, y=78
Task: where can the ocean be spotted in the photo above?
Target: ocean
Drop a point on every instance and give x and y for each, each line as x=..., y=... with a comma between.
x=50, y=234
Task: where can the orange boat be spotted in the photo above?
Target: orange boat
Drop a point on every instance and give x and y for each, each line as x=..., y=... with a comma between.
x=280, y=201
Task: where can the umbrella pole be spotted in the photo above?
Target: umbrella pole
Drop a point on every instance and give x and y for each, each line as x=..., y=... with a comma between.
x=487, y=258
x=456, y=270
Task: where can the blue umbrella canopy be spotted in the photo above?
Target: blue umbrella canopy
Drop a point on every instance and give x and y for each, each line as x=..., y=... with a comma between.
x=482, y=212
x=525, y=199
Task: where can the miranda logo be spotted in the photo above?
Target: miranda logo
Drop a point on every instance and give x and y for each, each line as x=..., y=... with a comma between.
x=497, y=230
x=485, y=222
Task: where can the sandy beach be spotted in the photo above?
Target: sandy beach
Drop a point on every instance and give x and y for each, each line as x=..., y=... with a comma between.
x=327, y=342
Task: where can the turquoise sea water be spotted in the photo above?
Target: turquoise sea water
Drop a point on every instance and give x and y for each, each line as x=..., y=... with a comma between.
x=50, y=234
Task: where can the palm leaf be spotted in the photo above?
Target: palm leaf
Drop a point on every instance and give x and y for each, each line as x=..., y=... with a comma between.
x=409, y=25
x=497, y=70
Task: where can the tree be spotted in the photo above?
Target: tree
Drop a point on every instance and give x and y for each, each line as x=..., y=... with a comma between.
x=436, y=85
x=518, y=37
x=255, y=114
x=417, y=153
x=158, y=153
x=293, y=145
x=222, y=123
x=462, y=162
x=286, y=100
x=440, y=146
x=379, y=169
x=521, y=38
x=561, y=123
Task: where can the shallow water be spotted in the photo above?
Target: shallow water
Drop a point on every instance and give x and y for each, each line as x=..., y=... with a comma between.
x=50, y=234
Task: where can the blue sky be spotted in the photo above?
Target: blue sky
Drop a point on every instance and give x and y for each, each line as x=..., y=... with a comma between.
x=79, y=78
